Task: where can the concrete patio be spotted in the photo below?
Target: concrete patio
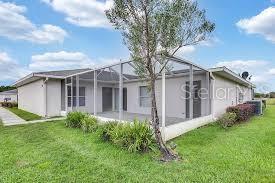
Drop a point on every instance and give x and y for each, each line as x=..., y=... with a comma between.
x=126, y=116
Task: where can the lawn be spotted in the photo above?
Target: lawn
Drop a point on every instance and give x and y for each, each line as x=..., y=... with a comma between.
x=24, y=114
x=49, y=152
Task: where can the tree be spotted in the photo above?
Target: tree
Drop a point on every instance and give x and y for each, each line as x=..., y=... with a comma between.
x=6, y=88
x=154, y=30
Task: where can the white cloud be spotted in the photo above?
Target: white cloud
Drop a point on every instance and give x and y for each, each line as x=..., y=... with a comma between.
x=185, y=51
x=211, y=42
x=84, y=13
x=272, y=71
x=242, y=65
x=60, y=60
x=258, y=69
x=263, y=24
x=10, y=69
x=15, y=26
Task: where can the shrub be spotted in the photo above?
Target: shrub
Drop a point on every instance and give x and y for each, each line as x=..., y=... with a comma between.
x=106, y=129
x=9, y=104
x=227, y=120
x=89, y=124
x=73, y=119
x=135, y=137
x=243, y=111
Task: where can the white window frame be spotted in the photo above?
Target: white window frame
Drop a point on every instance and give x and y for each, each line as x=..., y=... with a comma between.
x=143, y=97
x=74, y=96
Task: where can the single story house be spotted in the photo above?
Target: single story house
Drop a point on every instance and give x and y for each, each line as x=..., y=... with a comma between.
x=116, y=92
x=8, y=96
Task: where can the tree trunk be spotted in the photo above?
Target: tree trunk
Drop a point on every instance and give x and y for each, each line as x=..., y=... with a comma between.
x=166, y=152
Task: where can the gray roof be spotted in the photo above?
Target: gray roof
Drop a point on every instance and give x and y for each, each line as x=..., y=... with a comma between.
x=9, y=92
x=62, y=73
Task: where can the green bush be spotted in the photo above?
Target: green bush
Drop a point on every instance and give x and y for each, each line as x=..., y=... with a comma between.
x=135, y=137
x=227, y=120
x=89, y=124
x=73, y=119
x=106, y=129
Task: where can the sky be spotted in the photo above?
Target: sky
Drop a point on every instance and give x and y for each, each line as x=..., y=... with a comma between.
x=42, y=35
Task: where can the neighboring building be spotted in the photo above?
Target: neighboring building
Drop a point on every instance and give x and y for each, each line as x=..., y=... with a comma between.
x=8, y=96
x=107, y=93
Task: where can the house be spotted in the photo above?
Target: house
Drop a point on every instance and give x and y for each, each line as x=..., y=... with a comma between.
x=116, y=92
x=8, y=96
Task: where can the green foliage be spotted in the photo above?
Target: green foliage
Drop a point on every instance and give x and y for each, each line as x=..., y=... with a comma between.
x=135, y=137
x=24, y=114
x=6, y=88
x=89, y=124
x=227, y=120
x=73, y=119
x=106, y=130
x=156, y=27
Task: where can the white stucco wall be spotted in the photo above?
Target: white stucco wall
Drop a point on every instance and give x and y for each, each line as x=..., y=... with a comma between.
x=31, y=97
x=226, y=93
x=13, y=97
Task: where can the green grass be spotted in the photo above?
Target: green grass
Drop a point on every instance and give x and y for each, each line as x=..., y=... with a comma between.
x=24, y=114
x=49, y=152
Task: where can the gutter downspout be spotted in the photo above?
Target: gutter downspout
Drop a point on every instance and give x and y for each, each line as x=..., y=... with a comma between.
x=45, y=96
x=212, y=79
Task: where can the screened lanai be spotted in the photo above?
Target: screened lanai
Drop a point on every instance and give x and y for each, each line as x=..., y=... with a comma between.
x=116, y=92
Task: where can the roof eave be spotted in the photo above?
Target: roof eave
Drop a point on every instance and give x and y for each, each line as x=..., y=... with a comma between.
x=224, y=69
x=17, y=83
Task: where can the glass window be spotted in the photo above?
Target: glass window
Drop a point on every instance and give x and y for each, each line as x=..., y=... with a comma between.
x=81, y=101
x=82, y=91
x=144, y=97
x=241, y=96
x=82, y=97
x=69, y=101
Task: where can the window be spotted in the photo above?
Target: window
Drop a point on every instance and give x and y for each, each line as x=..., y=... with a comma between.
x=82, y=97
x=144, y=97
x=241, y=96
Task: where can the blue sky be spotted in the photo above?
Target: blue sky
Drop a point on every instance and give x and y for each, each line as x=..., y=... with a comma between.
x=42, y=35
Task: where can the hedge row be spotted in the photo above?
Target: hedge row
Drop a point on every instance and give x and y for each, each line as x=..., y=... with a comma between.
x=243, y=111
x=236, y=114
x=9, y=104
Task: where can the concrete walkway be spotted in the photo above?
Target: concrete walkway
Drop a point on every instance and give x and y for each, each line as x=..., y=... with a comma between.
x=35, y=121
x=8, y=118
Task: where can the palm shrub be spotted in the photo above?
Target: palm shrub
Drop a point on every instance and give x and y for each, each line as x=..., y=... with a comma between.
x=227, y=120
x=106, y=130
x=89, y=123
x=135, y=137
x=74, y=119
